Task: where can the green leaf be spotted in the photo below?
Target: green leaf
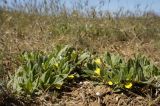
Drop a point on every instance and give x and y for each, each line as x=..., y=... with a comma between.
x=82, y=57
x=108, y=58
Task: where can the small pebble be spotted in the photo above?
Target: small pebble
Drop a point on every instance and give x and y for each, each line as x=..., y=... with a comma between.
x=97, y=93
x=81, y=83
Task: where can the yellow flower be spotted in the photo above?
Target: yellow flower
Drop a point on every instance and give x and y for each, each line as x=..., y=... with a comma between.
x=56, y=64
x=71, y=76
x=110, y=82
x=98, y=71
x=58, y=86
x=128, y=85
x=98, y=61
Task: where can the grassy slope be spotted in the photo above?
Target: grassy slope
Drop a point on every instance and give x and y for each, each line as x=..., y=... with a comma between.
x=20, y=31
x=126, y=35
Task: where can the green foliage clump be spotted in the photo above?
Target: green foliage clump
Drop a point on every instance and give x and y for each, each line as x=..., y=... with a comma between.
x=41, y=72
x=120, y=74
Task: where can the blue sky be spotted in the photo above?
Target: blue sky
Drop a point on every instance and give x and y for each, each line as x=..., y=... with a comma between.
x=114, y=5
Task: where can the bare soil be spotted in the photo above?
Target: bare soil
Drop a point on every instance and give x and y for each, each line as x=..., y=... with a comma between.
x=87, y=94
x=84, y=94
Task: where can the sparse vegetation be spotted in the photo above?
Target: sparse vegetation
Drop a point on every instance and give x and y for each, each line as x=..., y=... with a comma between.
x=32, y=64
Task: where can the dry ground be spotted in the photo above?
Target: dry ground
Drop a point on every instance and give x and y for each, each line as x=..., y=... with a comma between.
x=82, y=93
x=21, y=32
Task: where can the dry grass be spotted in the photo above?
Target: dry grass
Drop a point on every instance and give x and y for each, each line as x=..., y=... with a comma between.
x=128, y=35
